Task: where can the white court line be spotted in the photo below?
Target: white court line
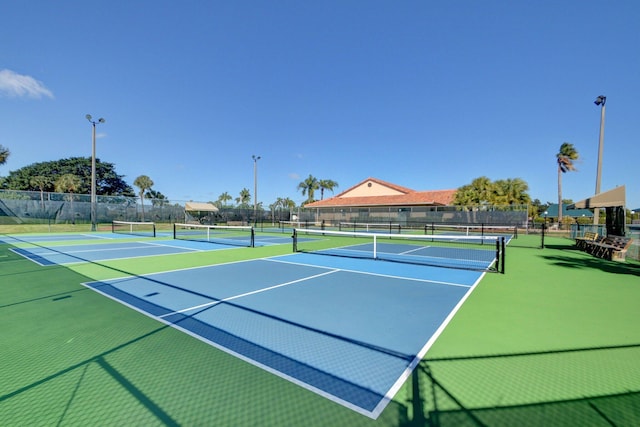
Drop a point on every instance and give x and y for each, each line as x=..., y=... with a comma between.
x=97, y=237
x=250, y=293
x=80, y=251
x=371, y=274
x=175, y=247
x=388, y=397
x=414, y=250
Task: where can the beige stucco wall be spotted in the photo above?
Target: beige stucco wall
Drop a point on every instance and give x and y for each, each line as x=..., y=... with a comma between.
x=371, y=188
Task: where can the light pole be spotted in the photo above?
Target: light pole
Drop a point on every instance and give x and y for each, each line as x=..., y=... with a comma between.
x=93, y=169
x=255, y=187
x=600, y=101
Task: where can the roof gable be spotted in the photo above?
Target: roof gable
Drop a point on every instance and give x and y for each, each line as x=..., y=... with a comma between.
x=375, y=192
x=374, y=187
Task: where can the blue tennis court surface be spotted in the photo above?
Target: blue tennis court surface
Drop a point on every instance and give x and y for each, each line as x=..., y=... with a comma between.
x=44, y=238
x=351, y=330
x=71, y=254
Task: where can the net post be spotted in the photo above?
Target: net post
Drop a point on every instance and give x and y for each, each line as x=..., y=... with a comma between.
x=113, y=227
x=375, y=247
x=174, y=231
x=503, y=244
x=154, y=229
x=252, y=243
x=295, y=240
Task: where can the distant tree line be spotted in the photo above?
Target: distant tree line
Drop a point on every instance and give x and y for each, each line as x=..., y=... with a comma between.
x=47, y=176
x=73, y=175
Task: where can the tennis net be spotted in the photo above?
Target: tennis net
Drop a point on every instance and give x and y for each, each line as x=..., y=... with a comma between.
x=382, y=227
x=290, y=225
x=481, y=253
x=508, y=231
x=135, y=228
x=236, y=235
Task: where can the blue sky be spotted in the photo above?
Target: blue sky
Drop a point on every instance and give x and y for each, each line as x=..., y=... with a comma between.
x=424, y=94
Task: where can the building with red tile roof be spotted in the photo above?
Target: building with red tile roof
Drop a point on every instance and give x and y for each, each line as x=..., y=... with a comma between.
x=375, y=193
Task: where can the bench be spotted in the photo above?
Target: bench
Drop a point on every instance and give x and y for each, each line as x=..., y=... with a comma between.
x=613, y=248
x=589, y=236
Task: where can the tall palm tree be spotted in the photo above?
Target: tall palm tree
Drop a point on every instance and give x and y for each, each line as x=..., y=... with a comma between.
x=4, y=154
x=144, y=183
x=326, y=184
x=41, y=182
x=565, y=158
x=308, y=187
x=68, y=183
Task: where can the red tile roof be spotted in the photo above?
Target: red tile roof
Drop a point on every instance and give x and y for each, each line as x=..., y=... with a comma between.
x=408, y=197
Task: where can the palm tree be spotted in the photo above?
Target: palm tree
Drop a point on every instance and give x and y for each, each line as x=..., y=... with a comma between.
x=223, y=199
x=144, y=183
x=308, y=187
x=284, y=204
x=326, y=184
x=565, y=157
x=41, y=182
x=484, y=190
x=4, y=154
x=480, y=191
x=244, y=198
x=68, y=183
x=512, y=191
x=156, y=197
x=287, y=203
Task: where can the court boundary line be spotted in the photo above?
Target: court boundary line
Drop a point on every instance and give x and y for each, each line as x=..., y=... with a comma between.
x=257, y=291
x=70, y=254
x=391, y=276
x=395, y=388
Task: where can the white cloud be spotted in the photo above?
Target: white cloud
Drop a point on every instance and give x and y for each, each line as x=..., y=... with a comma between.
x=294, y=175
x=17, y=85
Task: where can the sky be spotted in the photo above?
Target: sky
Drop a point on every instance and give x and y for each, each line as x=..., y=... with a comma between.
x=424, y=94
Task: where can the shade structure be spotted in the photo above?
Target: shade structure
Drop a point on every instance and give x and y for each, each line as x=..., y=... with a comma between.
x=607, y=199
x=200, y=207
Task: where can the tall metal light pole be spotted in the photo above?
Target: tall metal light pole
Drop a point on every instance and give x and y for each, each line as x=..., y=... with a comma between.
x=255, y=187
x=600, y=101
x=93, y=170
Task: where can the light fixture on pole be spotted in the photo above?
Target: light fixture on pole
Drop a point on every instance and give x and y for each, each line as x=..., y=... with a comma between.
x=600, y=101
x=93, y=169
x=255, y=187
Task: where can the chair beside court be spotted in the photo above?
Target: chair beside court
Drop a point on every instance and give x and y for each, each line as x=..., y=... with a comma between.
x=612, y=248
x=589, y=237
